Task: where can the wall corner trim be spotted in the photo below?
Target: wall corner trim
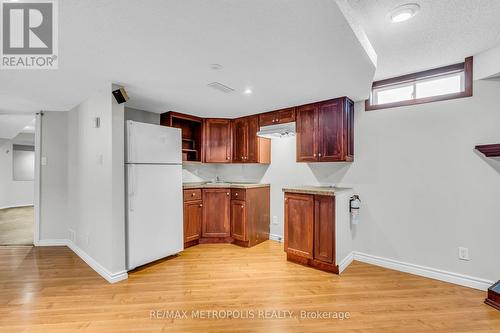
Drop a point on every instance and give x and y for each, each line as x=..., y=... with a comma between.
x=346, y=262
x=428, y=272
x=109, y=276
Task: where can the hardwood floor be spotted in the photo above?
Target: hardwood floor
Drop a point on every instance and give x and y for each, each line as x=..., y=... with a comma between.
x=51, y=290
x=16, y=226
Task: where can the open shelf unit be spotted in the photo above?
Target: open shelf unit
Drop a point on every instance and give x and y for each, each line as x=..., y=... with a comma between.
x=492, y=150
x=191, y=128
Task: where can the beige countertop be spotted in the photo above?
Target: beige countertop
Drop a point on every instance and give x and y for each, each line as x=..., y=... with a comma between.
x=223, y=185
x=318, y=190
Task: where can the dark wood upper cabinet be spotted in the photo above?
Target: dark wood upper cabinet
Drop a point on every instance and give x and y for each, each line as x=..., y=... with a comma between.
x=299, y=224
x=277, y=117
x=325, y=131
x=217, y=141
x=216, y=213
x=307, y=128
x=247, y=146
x=240, y=139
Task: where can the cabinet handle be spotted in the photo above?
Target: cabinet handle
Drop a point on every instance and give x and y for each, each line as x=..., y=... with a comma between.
x=193, y=194
x=227, y=193
x=314, y=155
x=274, y=120
x=236, y=194
x=242, y=206
x=201, y=205
x=319, y=154
x=277, y=120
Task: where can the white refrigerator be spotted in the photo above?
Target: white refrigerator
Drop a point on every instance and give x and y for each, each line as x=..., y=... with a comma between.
x=153, y=164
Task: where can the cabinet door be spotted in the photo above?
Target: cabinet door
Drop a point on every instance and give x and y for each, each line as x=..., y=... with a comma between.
x=192, y=220
x=299, y=220
x=240, y=134
x=238, y=220
x=217, y=141
x=286, y=115
x=324, y=228
x=330, y=123
x=216, y=213
x=268, y=118
x=252, y=154
x=307, y=142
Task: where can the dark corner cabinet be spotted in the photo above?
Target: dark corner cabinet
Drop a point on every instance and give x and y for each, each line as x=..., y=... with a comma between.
x=250, y=215
x=247, y=146
x=325, y=131
x=310, y=230
x=225, y=215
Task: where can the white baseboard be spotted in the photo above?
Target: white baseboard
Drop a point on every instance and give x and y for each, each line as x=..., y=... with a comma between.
x=110, y=277
x=346, y=262
x=277, y=238
x=51, y=242
x=432, y=273
x=17, y=206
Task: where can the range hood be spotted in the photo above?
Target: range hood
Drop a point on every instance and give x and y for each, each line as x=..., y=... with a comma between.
x=277, y=131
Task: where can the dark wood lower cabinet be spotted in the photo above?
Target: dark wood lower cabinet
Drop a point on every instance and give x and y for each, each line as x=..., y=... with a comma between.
x=216, y=213
x=238, y=223
x=310, y=230
x=299, y=223
x=225, y=215
x=250, y=216
x=193, y=211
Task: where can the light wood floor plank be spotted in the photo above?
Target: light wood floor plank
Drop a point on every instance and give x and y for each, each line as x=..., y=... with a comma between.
x=49, y=289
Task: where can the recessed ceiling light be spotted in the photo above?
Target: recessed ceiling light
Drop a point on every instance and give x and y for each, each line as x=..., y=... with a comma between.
x=248, y=91
x=404, y=12
x=216, y=67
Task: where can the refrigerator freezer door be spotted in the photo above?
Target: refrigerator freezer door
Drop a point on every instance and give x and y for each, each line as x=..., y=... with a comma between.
x=154, y=213
x=147, y=143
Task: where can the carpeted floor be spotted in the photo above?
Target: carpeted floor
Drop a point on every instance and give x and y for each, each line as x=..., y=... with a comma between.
x=16, y=226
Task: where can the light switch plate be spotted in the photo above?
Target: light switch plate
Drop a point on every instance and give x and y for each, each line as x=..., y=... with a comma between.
x=463, y=253
x=43, y=160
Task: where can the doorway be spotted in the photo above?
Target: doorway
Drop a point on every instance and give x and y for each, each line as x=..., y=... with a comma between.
x=17, y=179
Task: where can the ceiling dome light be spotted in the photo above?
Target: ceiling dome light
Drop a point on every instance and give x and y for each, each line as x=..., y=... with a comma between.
x=248, y=91
x=404, y=12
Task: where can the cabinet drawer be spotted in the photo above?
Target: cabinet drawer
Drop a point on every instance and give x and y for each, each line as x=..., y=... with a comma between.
x=238, y=194
x=190, y=195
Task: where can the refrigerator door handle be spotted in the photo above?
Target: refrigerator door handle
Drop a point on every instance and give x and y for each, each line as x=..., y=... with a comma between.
x=131, y=188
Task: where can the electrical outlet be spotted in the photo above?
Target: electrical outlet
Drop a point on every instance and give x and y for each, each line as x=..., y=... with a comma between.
x=463, y=253
x=275, y=220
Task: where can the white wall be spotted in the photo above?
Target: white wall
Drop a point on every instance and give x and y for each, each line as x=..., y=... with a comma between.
x=12, y=193
x=54, y=177
x=424, y=190
x=96, y=180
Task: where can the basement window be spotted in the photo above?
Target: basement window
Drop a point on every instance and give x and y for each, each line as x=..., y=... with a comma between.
x=449, y=82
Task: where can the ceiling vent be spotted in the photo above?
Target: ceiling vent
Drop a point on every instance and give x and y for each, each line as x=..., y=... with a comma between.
x=220, y=87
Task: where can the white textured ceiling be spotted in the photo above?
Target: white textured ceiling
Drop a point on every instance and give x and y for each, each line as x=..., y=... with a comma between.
x=288, y=51
x=444, y=32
